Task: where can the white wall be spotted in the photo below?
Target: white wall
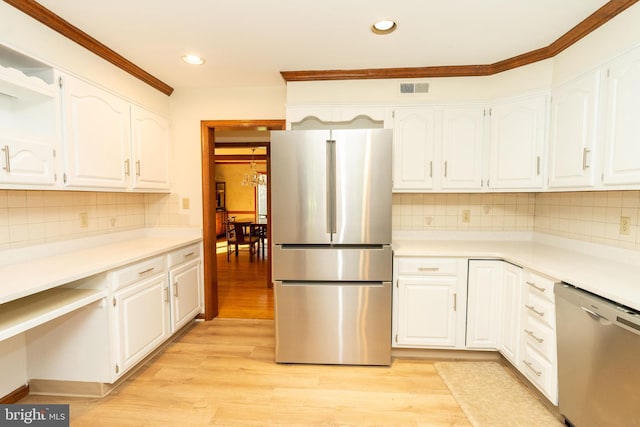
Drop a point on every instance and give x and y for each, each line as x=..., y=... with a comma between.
x=189, y=108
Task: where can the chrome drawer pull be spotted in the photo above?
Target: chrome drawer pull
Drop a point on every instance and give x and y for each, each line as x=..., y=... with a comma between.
x=189, y=254
x=530, y=366
x=532, y=335
x=533, y=285
x=428, y=268
x=532, y=308
x=7, y=159
x=140, y=273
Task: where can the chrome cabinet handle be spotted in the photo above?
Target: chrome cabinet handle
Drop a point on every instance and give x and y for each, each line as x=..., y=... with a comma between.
x=532, y=335
x=127, y=167
x=585, y=153
x=428, y=268
x=140, y=273
x=532, y=308
x=445, y=169
x=431, y=169
x=530, y=366
x=7, y=159
x=166, y=294
x=189, y=254
x=175, y=289
x=538, y=288
x=137, y=167
x=455, y=302
x=538, y=165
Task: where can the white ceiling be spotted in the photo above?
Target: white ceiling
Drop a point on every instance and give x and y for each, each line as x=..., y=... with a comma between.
x=248, y=42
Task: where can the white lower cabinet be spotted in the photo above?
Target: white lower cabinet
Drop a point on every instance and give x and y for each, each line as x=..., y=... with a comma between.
x=538, y=361
x=185, y=277
x=141, y=314
x=429, y=302
x=510, y=309
x=147, y=301
x=483, y=304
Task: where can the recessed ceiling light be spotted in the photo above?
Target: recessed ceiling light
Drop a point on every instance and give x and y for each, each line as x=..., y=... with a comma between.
x=385, y=26
x=193, y=59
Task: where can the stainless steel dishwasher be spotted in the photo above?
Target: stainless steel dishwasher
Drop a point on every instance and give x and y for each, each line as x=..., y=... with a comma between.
x=598, y=355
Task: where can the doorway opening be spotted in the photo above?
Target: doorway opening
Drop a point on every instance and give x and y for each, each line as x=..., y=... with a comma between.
x=209, y=129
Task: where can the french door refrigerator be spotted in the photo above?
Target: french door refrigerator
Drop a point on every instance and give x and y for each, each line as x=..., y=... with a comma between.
x=332, y=258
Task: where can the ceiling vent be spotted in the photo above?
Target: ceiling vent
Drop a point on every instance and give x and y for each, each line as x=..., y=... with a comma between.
x=414, y=87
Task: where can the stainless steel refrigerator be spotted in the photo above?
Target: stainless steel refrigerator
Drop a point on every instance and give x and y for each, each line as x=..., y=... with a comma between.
x=331, y=232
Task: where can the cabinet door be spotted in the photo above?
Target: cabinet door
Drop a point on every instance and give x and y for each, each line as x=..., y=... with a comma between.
x=96, y=136
x=142, y=320
x=150, y=142
x=27, y=162
x=185, y=293
x=462, y=147
x=413, y=148
x=622, y=126
x=483, y=304
x=510, y=313
x=574, y=116
x=517, y=143
x=427, y=311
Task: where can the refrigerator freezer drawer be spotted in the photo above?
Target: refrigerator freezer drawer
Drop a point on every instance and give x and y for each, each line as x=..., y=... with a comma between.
x=333, y=324
x=332, y=264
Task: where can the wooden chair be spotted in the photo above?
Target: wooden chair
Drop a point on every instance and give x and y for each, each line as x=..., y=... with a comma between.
x=236, y=237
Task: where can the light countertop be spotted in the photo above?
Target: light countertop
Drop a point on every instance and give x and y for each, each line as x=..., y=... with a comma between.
x=36, y=269
x=613, y=274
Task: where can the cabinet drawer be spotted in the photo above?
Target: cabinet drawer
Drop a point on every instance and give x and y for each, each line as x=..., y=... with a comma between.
x=539, y=336
x=540, y=372
x=540, y=308
x=138, y=271
x=427, y=266
x=541, y=285
x=185, y=254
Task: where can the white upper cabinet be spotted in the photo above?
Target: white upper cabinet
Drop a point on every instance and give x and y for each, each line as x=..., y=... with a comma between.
x=414, y=137
x=97, y=136
x=150, y=149
x=29, y=122
x=573, y=132
x=622, y=121
x=518, y=135
x=462, y=147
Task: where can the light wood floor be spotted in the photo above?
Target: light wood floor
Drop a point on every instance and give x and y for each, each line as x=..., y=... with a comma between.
x=242, y=286
x=222, y=373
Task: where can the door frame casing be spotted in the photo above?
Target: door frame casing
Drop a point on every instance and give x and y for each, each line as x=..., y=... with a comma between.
x=207, y=135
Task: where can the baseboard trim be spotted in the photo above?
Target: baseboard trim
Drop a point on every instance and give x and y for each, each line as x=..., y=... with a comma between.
x=15, y=395
x=443, y=354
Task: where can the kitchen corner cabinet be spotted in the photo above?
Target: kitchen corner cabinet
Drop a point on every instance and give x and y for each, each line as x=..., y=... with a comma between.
x=573, y=132
x=29, y=122
x=110, y=144
x=429, y=302
x=622, y=121
x=484, y=299
x=517, y=143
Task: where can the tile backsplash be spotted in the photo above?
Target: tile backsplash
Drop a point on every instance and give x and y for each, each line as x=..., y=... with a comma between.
x=464, y=212
x=34, y=217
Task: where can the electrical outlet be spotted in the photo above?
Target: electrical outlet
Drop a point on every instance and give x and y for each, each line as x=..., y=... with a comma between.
x=625, y=225
x=185, y=203
x=466, y=216
x=84, y=219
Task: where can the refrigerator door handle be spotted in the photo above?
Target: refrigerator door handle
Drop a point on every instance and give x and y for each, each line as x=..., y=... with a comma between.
x=331, y=187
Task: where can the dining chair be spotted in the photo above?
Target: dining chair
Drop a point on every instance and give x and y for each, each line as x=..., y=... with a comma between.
x=236, y=237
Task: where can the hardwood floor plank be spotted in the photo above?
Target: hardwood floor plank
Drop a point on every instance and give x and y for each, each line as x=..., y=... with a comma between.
x=223, y=372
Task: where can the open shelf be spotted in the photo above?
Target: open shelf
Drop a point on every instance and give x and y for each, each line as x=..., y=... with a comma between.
x=25, y=313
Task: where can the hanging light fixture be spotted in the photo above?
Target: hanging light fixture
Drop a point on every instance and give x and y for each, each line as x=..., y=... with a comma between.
x=253, y=178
